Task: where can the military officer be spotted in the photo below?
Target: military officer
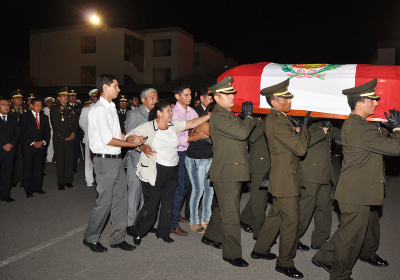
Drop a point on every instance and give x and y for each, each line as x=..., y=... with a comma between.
x=360, y=186
x=253, y=215
x=286, y=144
x=17, y=110
x=64, y=121
x=123, y=109
x=316, y=174
x=78, y=150
x=28, y=99
x=228, y=169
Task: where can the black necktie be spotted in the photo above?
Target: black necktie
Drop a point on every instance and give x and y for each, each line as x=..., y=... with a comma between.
x=4, y=119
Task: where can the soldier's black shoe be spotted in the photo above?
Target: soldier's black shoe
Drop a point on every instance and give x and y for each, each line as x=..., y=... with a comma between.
x=14, y=185
x=61, y=187
x=95, y=247
x=289, y=271
x=315, y=247
x=269, y=256
x=69, y=185
x=246, y=227
x=302, y=247
x=166, y=239
x=327, y=267
x=239, y=262
x=124, y=246
x=213, y=243
x=29, y=195
x=8, y=199
x=376, y=261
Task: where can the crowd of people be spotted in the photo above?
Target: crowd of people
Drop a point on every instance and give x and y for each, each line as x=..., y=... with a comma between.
x=149, y=160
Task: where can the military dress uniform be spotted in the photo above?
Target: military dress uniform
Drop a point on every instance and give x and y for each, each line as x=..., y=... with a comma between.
x=122, y=117
x=228, y=169
x=286, y=146
x=78, y=150
x=259, y=162
x=316, y=174
x=359, y=189
x=64, y=121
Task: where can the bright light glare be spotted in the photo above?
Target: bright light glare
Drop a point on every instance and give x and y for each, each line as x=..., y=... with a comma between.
x=95, y=19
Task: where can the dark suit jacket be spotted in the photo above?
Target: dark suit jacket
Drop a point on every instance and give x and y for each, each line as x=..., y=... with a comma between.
x=10, y=133
x=199, y=110
x=31, y=133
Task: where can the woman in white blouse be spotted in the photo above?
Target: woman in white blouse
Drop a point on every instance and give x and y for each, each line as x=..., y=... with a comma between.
x=159, y=172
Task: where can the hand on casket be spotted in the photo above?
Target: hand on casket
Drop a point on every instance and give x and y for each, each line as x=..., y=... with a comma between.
x=247, y=109
x=393, y=119
x=307, y=120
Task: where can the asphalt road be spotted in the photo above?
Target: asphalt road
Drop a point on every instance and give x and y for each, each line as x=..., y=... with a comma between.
x=41, y=238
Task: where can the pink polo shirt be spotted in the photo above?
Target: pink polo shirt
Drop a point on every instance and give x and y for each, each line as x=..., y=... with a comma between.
x=180, y=113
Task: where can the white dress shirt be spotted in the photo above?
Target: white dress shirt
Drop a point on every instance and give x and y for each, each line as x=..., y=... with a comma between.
x=103, y=125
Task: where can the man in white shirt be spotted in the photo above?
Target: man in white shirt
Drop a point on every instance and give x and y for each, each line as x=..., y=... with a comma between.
x=105, y=142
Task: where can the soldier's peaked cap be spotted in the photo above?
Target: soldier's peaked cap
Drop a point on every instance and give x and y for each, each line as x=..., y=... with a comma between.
x=224, y=86
x=366, y=90
x=62, y=91
x=30, y=96
x=278, y=90
x=122, y=98
x=94, y=92
x=71, y=92
x=17, y=93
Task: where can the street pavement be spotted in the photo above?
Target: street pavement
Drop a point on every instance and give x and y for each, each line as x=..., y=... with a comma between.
x=41, y=238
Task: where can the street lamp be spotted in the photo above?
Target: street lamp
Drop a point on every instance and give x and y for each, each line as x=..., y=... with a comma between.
x=95, y=19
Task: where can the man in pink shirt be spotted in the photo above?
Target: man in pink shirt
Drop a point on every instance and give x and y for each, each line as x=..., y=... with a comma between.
x=182, y=111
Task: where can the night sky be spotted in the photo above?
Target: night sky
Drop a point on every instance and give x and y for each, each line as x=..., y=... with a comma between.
x=273, y=31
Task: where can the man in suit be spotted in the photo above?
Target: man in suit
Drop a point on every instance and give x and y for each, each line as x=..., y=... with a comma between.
x=35, y=131
x=83, y=123
x=205, y=99
x=286, y=145
x=360, y=188
x=121, y=111
x=134, y=100
x=134, y=118
x=228, y=170
x=9, y=138
x=253, y=215
x=64, y=122
x=316, y=175
x=73, y=103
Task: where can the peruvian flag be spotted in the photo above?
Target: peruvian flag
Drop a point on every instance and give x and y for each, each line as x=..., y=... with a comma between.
x=316, y=87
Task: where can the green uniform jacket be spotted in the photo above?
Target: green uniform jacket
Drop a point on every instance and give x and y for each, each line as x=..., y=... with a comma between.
x=64, y=120
x=229, y=135
x=316, y=166
x=362, y=178
x=15, y=113
x=259, y=160
x=286, y=146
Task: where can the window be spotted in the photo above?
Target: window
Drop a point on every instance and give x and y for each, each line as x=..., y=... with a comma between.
x=196, y=59
x=88, y=44
x=161, y=75
x=88, y=75
x=162, y=47
x=134, y=51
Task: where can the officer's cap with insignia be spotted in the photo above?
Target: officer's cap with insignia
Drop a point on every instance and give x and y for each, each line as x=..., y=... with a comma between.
x=17, y=93
x=224, y=86
x=278, y=90
x=49, y=99
x=71, y=92
x=122, y=98
x=94, y=92
x=89, y=101
x=30, y=96
x=366, y=90
x=78, y=101
x=62, y=91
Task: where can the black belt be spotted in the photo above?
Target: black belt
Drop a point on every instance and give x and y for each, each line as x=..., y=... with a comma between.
x=107, y=156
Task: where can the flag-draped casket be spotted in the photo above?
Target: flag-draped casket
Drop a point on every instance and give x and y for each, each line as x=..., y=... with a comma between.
x=316, y=87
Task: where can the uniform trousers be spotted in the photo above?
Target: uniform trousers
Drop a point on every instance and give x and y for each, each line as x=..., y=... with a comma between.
x=89, y=178
x=254, y=212
x=33, y=169
x=64, y=153
x=135, y=194
x=224, y=225
x=163, y=191
x=316, y=197
x=50, y=150
x=283, y=219
x=6, y=171
x=77, y=153
x=18, y=167
x=358, y=235
x=112, y=196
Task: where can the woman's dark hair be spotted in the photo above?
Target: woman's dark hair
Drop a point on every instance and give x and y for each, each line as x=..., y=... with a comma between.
x=210, y=108
x=159, y=106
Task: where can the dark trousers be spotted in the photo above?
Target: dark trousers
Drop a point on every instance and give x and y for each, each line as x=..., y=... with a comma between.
x=33, y=169
x=283, y=218
x=358, y=235
x=224, y=225
x=254, y=212
x=163, y=190
x=6, y=172
x=18, y=174
x=77, y=153
x=181, y=189
x=64, y=153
